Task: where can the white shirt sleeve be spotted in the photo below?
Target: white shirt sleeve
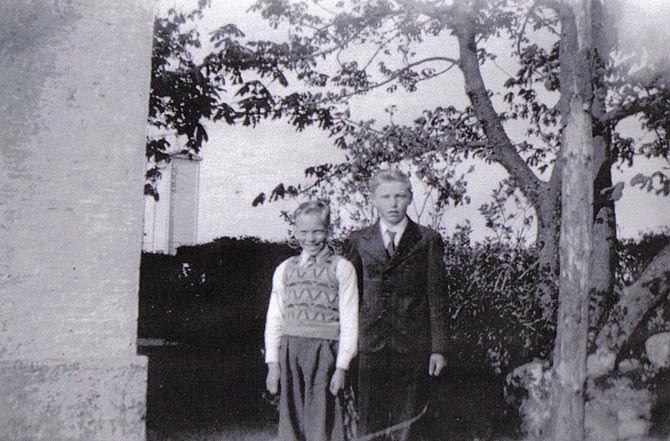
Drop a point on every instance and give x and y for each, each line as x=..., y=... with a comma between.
x=275, y=316
x=348, y=304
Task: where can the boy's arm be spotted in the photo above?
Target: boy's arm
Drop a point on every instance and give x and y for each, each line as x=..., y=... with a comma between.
x=274, y=318
x=437, y=296
x=436, y=364
x=337, y=381
x=350, y=252
x=272, y=379
x=348, y=306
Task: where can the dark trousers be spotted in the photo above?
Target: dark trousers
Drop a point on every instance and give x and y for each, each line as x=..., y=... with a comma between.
x=307, y=409
x=391, y=390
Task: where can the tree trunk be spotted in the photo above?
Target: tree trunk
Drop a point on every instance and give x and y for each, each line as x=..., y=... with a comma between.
x=569, y=366
x=604, y=258
x=569, y=371
x=548, y=208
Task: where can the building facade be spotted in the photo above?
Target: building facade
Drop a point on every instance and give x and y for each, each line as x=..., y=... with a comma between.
x=71, y=206
x=172, y=221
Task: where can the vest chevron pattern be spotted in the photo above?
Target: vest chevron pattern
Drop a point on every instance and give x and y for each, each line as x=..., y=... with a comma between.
x=311, y=300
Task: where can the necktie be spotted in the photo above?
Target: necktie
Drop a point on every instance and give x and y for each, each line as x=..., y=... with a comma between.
x=390, y=248
x=311, y=260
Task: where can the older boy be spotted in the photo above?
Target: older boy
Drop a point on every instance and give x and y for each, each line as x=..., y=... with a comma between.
x=402, y=333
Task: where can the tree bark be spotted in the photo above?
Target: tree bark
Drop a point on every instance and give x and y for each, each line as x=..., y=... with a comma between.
x=543, y=196
x=570, y=350
x=604, y=257
x=548, y=210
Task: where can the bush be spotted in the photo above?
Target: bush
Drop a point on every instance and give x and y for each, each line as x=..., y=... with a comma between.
x=211, y=295
x=496, y=319
x=217, y=294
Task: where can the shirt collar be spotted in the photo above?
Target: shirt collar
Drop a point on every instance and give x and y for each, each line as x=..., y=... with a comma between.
x=398, y=228
x=323, y=254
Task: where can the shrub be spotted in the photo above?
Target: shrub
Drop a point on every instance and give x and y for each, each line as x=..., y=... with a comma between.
x=214, y=294
x=495, y=315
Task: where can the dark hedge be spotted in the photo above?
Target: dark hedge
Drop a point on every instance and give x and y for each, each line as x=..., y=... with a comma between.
x=215, y=296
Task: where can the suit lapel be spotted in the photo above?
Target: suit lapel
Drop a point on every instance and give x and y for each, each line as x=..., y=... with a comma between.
x=374, y=244
x=408, y=241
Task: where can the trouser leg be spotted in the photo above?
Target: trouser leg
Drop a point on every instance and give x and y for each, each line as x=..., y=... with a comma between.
x=391, y=391
x=308, y=411
x=291, y=404
x=324, y=420
x=374, y=395
x=411, y=381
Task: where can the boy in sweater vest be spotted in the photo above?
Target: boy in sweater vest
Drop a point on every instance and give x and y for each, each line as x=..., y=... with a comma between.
x=311, y=332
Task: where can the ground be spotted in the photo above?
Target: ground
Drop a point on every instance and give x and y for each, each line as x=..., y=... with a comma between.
x=207, y=394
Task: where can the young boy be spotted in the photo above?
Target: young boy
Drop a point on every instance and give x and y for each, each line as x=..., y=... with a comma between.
x=402, y=337
x=311, y=332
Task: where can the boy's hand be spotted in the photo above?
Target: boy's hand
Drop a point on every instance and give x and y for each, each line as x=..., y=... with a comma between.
x=272, y=380
x=436, y=364
x=337, y=381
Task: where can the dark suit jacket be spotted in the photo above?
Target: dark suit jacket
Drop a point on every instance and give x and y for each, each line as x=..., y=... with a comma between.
x=403, y=299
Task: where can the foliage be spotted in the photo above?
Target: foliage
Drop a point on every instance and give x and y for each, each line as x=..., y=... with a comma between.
x=337, y=52
x=180, y=95
x=211, y=294
x=378, y=45
x=219, y=292
x=635, y=255
x=187, y=92
x=510, y=224
x=496, y=318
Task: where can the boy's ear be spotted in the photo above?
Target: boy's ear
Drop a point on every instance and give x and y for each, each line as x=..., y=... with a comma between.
x=373, y=200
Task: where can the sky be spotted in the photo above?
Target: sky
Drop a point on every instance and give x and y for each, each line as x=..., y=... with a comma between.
x=240, y=162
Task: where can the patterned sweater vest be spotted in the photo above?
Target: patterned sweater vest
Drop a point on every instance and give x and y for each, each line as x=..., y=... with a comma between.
x=311, y=300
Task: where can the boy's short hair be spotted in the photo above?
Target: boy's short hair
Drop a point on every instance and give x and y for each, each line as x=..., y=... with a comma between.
x=314, y=207
x=388, y=175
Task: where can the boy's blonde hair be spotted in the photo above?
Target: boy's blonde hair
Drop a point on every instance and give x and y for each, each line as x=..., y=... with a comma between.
x=388, y=175
x=314, y=207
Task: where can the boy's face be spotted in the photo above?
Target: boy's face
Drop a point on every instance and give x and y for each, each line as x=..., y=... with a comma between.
x=311, y=233
x=391, y=199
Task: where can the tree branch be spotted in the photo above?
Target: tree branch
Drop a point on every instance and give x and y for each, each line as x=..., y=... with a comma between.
x=444, y=146
x=636, y=300
x=502, y=148
x=630, y=109
x=428, y=9
x=556, y=5
x=398, y=72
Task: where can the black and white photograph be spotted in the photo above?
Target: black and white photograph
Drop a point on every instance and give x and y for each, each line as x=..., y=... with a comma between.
x=335, y=220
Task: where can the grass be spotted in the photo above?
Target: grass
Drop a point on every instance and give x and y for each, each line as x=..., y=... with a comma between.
x=229, y=433
x=205, y=395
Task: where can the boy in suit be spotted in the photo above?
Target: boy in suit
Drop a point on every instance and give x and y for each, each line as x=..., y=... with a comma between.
x=402, y=330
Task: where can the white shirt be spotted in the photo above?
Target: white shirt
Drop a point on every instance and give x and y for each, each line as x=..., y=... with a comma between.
x=348, y=309
x=398, y=229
